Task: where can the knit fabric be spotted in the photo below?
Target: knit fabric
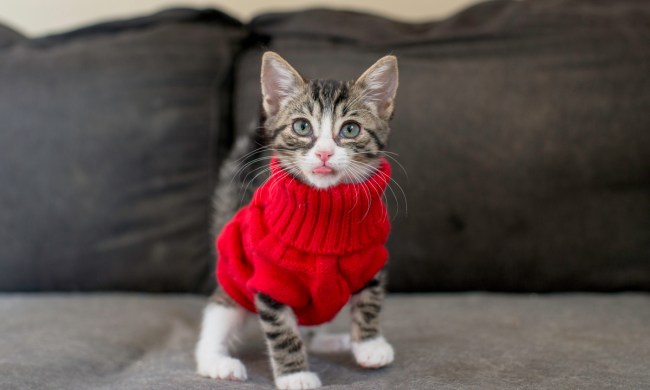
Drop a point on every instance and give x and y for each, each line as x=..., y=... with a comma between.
x=305, y=247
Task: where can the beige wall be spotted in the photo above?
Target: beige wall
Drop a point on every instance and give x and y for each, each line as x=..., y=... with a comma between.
x=37, y=17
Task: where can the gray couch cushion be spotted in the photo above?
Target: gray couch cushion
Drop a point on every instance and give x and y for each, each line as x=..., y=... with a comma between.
x=465, y=341
x=108, y=149
x=523, y=127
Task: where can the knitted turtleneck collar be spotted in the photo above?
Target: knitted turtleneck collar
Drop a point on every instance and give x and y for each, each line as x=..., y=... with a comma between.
x=332, y=221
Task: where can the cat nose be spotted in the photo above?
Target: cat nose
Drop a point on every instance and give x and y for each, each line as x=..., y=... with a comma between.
x=324, y=155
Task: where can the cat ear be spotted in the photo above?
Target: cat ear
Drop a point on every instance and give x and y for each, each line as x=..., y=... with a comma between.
x=280, y=81
x=378, y=86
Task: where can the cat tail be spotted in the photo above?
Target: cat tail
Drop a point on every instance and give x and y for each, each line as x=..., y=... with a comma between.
x=237, y=179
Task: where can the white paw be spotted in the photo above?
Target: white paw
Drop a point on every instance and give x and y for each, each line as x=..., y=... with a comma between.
x=329, y=343
x=298, y=381
x=373, y=353
x=223, y=367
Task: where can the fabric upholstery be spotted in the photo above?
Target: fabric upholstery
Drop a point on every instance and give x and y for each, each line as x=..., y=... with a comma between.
x=522, y=127
x=109, y=145
x=523, y=131
x=447, y=341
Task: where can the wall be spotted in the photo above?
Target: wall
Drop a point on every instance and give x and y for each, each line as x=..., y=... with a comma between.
x=38, y=17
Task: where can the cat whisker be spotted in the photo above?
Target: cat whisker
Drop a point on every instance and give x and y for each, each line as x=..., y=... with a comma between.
x=350, y=176
x=388, y=155
x=363, y=95
x=374, y=182
x=256, y=160
x=252, y=170
x=347, y=175
x=393, y=158
x=252, y=152
x=377, y=187
x=247, y=185
x=263, y=169
x=390, y=181
x=283, y=174
x=241, y=170
x=364, y=187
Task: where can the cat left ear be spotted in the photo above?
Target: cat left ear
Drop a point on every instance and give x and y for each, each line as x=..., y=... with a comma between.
x=379, y=85
x=280, y=82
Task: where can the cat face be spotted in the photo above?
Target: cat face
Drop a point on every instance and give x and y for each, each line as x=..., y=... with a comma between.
x=326, y=132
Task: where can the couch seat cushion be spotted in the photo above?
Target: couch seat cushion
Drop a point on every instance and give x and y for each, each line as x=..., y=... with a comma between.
x=443, y=341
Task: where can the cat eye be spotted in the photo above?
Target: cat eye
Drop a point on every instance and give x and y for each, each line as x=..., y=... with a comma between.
x=301, y=127
x=350, y=130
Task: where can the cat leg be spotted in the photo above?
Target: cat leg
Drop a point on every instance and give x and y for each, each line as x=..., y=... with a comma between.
x=286, y=349
x=369, y=347
x=222, y=318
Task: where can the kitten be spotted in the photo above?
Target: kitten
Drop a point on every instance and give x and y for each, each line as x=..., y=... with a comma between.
x=325, y=142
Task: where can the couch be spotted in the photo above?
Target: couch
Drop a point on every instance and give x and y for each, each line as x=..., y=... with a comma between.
x=520, y=247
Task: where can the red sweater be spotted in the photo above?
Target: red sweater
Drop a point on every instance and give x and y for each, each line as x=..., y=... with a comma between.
x=305, y=247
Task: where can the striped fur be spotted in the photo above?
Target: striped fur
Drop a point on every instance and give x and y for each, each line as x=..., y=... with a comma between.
x=286, y=348
x=365, y=308
x=327, y=105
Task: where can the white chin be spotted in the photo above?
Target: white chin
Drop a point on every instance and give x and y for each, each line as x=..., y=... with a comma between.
x=323, y=181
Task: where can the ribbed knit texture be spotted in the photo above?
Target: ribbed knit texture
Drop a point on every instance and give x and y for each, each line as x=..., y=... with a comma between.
x=306, y=247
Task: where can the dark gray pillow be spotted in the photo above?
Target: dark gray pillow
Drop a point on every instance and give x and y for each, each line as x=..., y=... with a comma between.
x=524, y=130
x=110, y=137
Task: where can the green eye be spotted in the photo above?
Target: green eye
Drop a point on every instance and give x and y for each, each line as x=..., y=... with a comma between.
x=301, y=127
x=350, y=130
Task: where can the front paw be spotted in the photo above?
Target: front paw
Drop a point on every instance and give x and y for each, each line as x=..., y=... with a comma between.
x=373, y=353
x=298, y=381
x=222, y=367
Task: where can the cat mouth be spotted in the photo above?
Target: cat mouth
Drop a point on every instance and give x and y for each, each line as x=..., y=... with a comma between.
x=323, y=170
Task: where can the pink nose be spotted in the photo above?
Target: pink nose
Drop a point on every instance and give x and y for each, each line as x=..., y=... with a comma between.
x=324, y=155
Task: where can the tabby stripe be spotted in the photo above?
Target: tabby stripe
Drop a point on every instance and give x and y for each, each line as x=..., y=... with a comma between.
x=295, y=348
x=315, y=94
x=309, y=106
x=271, y=318
x=365, y=305
x=369, y=316
x=374, y=136
x=274, y=335
x=369, y=330
x=342, y=96
x=293, y=366
x=373, y=283
x=290, y=346
x=270, y=302
x=284, y=344
x=277, y=131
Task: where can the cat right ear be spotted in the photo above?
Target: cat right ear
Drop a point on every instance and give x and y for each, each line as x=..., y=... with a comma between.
x=379, y=85
x=280, y=82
